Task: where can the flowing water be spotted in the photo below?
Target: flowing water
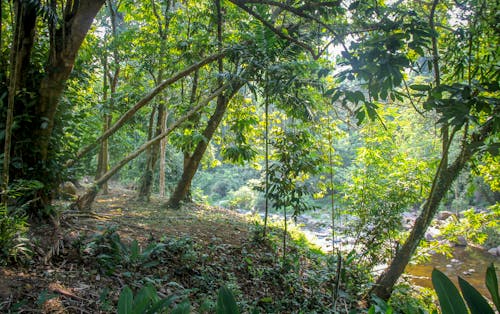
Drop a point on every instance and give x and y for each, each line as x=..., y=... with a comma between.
x=467, y=262
x=470, y=263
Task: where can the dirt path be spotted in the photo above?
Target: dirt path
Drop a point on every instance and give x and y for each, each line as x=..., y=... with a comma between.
x=62, y=279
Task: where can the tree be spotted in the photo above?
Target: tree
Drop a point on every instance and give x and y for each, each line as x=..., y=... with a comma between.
x=467, y=106
x=36, y=91
x=459, y=96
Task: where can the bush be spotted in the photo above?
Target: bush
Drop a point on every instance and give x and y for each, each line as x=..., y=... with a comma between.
x=243, y=198
x=13, y=241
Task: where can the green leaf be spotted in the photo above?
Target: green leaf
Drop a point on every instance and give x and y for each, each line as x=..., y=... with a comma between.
x=162, y=304
x=226, y=304
x=125, y=301
x=449, y=298
x=475, y=301
x=143, y=299
x=492, y=285
x=183, y=308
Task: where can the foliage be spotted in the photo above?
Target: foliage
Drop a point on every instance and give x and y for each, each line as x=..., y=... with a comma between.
x=13, y=242
x=244, y=198
x=226, y=304
x=452, y=302
x=408, y=298
x=294, y=160
x=473, y=226
x=219, y=182
x=489, y=169
x=147, y=301
x=112, y=253
x=387, y=177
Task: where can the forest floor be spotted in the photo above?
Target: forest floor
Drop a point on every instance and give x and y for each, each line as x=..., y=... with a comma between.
x=190, y=253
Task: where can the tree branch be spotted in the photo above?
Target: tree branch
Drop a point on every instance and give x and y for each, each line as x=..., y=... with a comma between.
x=144, y=101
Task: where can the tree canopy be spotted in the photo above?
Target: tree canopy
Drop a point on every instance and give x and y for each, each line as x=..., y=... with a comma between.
x=388, y=103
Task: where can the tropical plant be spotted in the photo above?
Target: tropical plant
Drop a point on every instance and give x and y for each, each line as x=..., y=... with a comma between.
x=13, y=241
x=112, y=252
x=453, y=303
x=294, y=160
x=147, y=301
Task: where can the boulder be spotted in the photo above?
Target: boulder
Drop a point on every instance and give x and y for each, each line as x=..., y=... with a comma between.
x=493, y=251
x=460, y=241
x=431, y=234
x=444, y=215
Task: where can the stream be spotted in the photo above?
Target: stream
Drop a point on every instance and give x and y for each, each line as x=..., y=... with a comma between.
x=470, y=263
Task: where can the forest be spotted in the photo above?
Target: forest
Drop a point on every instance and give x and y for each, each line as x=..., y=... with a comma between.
x=249, y=156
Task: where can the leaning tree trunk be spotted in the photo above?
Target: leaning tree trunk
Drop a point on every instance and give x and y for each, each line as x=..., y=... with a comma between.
x=191, y=163
x=445, y=176
x=141, y=103
x=184, y=184
x=86, y=200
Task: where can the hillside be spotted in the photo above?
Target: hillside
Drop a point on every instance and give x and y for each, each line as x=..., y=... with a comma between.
x=194, y=251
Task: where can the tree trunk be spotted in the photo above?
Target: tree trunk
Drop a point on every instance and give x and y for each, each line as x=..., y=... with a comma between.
x=152, y=159
x=184, y=183
x=86, y=200
x=102, y=158
x=444, y=178
x=163, y=147
x=24, y=32
x=191, y=164
x=67, y=40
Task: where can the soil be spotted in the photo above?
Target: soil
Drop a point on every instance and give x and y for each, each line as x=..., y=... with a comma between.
x=64, y=277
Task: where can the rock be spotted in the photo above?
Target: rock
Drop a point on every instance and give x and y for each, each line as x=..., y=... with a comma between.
x=461, y=241
x=454, y=260
x=449, y=266
x=444, y=215
x=431, y=234
x=493, y=251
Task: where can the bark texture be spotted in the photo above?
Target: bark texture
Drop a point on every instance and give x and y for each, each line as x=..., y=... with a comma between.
x=66, y=41
x=38, y=90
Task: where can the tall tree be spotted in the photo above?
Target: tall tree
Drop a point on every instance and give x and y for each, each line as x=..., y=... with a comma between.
x=459, y=93
x=34, y=145
x=469, y=109
x=157, y=151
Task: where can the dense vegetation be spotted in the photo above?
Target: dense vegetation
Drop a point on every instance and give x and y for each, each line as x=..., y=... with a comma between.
x=356, y=112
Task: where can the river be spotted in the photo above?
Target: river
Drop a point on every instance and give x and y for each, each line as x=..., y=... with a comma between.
x=468, y=262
